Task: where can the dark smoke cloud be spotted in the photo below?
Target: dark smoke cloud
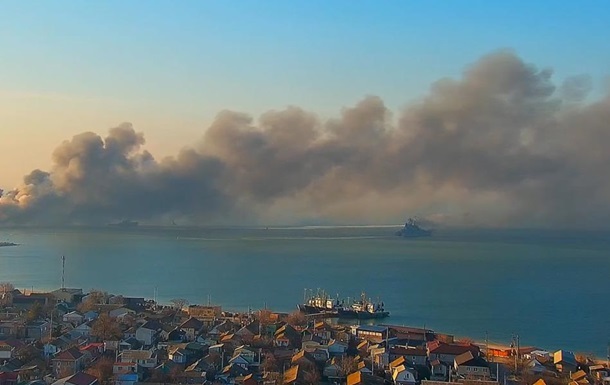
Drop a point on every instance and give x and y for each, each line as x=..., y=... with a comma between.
x=502, y=146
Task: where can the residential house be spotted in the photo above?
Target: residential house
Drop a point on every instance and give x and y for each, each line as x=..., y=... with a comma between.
x=136, y=304
x=94, y=350
x=360, y=378
x=319, y=354
x=74, y=317
x=337, y=348
x=580, y=377
x=565, y=361
x=80, y=378
x=403, y=375
x=448, y=352
x=148, y=333
x=124, y=368
x=240, y=360
x=68, y=295
x=371, y=333
x=129, y=333
x=90, y=316
x=8, y=349
x=68, y=362
x=468, y=366
x=246, y=380
x=58, y=344
x=127, y=378
x=439, y=370
x=82, y=331
x=332, y=370
x=410, y=336
x=120, y=313
x=287, y=336
x=303, y=359
x=221, y=328
x=129, y=344
x=192, y=327
x=249, y=355
x=178, y=355
x=204, y=313
x=37, y=330
x=533, y=366
x=232, y=371
x=10, y=329
x=144, y=358
x=296, y=375
x=8, y=378
x=248, y=332
x=413, y=356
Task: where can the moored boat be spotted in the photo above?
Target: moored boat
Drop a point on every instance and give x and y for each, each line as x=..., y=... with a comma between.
x=321, y=302
x=363, y=309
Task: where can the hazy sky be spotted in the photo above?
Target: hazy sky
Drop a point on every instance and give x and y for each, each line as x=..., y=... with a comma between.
x=169, y=67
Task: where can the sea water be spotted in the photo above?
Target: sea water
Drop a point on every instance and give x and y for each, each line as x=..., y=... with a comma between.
x=549, y=287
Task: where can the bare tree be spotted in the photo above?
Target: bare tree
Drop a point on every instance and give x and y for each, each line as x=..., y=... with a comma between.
x=93, y=299
x=264, y=317
x=311, y=376
x=6, y=287
x=179, y=303
x=106, y=328
x=102, y=370
x=269, y=363
x=35, y=312
x=297, y=318
x=346, y=365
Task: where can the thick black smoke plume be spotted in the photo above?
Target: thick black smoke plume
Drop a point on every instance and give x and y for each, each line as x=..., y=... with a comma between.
x=501, y=146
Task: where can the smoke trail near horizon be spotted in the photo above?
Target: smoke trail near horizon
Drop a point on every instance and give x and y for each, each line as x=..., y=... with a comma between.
x=501, y=146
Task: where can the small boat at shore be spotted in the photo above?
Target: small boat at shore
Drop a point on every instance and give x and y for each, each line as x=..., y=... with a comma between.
x=7, y=244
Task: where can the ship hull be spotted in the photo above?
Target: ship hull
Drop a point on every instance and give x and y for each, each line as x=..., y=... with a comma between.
x=355, y=314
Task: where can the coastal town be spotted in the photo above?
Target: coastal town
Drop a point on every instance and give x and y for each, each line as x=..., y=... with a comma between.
x=71, y=337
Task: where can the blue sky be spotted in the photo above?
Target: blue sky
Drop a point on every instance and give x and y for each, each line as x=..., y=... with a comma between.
x=175, y=64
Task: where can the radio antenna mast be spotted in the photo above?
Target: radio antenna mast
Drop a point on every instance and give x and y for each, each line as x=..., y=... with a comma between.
x=63, y=272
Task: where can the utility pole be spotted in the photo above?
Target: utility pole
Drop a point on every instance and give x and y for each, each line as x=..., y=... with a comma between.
x=488, y=356
x=515, y=348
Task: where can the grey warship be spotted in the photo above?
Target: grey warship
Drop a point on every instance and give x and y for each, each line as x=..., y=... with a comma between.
x=412, y=230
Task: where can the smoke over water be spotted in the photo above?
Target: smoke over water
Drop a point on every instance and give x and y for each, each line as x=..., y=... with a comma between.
x=502, y=146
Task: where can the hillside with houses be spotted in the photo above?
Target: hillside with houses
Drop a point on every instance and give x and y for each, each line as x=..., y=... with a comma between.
x=68, y=337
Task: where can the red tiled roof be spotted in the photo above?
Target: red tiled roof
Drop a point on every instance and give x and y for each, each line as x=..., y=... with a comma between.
x=453, y=349
x=68, y=355
x=82, y=378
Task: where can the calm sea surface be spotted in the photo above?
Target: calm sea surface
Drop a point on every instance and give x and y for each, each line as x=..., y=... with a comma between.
x=551, y=288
